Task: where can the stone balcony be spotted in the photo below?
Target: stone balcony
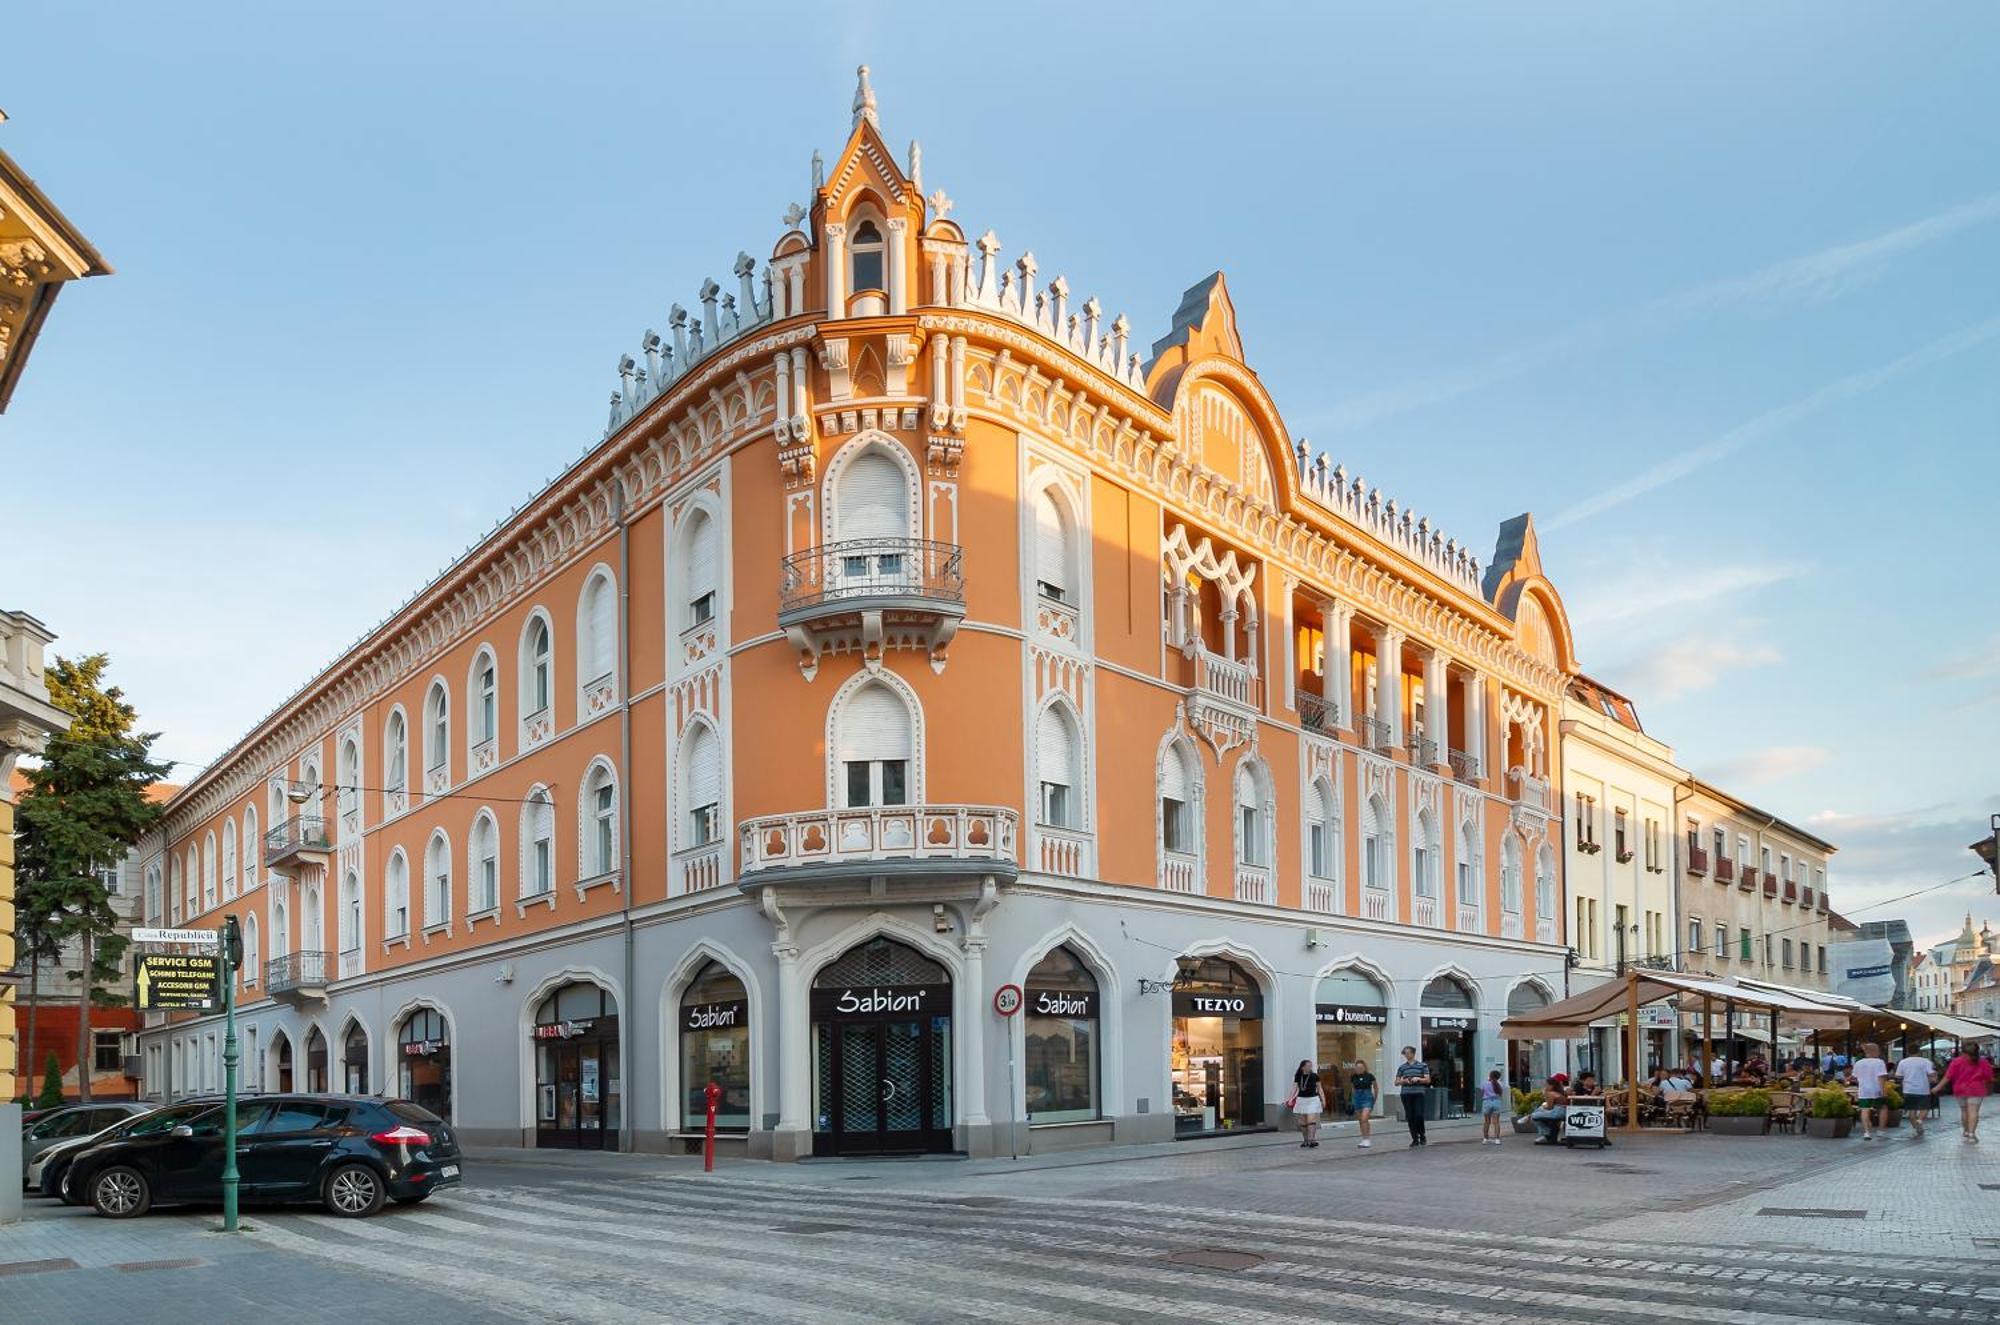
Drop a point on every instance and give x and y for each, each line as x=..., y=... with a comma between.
x=869, y=594
x=301, y=840
x=1528, y=789
x=929, y=842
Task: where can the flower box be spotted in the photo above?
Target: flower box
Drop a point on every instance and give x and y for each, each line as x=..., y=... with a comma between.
x=1829, y=1129
x=1739, y=1125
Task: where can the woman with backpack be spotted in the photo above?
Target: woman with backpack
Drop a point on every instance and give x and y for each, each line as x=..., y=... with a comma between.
x=1306, y=1102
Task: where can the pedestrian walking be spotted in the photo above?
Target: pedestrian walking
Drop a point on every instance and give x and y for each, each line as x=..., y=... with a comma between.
x=1413, y=1081
x=1362, y=1082
x=1306, y=1103
x=1969, y=1077
x=1918, y=1074
x=1868, y=1074
x=1491, y=1096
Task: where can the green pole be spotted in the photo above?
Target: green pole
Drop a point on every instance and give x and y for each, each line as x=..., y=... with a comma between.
x=227, y=968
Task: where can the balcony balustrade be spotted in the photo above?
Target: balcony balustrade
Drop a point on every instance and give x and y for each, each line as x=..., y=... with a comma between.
x=1468, y=919
x=1063, y=851
x=872, y=593
x=1180, y=873
x=977, y=837
x=1528, y=789
x=1375, y=904
x=1806, y=896
x=1232, y=682
x=1464, y=766
x=1545, y=929
x=1510, y=925
x=296, y=976
x=1316, y=714
x=1253, y=883
x=1746, y=876
x=698, y=868
x=1770, y=884
x=1791, y=890
x=1322, y=895
x=299, y=840
x=1822, y=902
x=1725, y=870
x=1697, y=861
x=1375, y=734
x=1424, y=912
x=350, y=962
x=1424, y=751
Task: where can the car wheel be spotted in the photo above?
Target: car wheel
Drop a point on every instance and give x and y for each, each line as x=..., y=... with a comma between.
x=52, y=1180
x=418, y=1199
x=121, y=1192
x=354, y=1191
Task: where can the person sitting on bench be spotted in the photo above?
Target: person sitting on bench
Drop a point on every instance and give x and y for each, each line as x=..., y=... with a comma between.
x=1548, y=1118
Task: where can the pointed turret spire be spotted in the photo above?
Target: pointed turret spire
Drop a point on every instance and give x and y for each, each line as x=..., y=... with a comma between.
x=864, y=100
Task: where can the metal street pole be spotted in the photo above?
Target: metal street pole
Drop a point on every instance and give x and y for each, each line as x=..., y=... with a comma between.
x=226, y=949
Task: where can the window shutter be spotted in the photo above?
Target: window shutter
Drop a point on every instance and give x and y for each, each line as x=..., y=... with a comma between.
x=704, y=765
x=874, y=499
x=542, y=821
x=703, y=556
x=1051, y=545
x=874, y=725
x=1173, y=777
x=1055, y=748
x=602, y=622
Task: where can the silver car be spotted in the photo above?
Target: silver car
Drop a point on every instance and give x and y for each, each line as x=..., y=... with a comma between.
x=64, y=1129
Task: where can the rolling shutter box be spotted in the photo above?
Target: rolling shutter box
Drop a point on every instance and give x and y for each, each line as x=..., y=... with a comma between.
x=874, y=725
x=704, y=785
x=1055, y=749
x=1051, y=546
x=874, y=499
x=702, y=576
x=600, y=616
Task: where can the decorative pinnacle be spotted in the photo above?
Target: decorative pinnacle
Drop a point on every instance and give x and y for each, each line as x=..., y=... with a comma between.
x=793, y=215
x=864, y=100
x=940, y=205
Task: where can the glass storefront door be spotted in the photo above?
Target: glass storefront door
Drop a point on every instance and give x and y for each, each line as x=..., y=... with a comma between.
x=1217, y=1053
x=1350, y=1015
x=715, y=1047
x=882, y=1053
x=577, y=1081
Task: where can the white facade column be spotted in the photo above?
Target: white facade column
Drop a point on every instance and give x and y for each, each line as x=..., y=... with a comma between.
x=1229, y=632
x=1389, y=682
x=970, y=1031
x=1475, y=721
x=795, y=1057
x=835, y=252
x=1437, y=703
x=1336, y=684
x=899, y=280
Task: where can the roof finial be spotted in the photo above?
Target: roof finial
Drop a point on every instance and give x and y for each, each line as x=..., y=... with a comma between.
x=864, y=101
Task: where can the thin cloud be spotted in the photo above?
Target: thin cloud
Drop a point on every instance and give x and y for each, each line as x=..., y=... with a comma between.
x=1773, y=764
x=1972, y=665
x=1814, y=278
x=1657, y=586
x=1682, y=666
x=1775, y=421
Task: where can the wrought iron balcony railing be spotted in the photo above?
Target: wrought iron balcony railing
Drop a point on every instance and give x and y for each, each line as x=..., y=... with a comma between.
x=295, y=972
x=873, y=568
x=1375, y=733
x=306, y=832
x=1464, y=766
x=1423, y=750
x=1316, y=714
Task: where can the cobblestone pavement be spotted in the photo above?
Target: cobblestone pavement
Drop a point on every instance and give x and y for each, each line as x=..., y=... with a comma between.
x=1256, y=1230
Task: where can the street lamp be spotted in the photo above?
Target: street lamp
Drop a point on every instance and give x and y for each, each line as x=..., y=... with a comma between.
x=1988, y=850
x=231, y=954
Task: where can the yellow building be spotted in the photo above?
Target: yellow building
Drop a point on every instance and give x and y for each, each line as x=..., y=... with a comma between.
x=39, y=251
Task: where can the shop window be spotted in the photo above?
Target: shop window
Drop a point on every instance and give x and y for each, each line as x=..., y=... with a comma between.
x=577, y=1082
x=1450, y=1035
x=423, y=1052
x=354, y=1060
x=1060, y=1039
x=1527, y=1060
x=1350, y=1017
x=715, y=1046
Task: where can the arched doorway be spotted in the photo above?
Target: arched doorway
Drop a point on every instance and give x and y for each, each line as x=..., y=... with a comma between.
x=1061, y=1045
x=423, y=1053
x=1218, y=1047
x=715, y=1046
x=284, y=1062
x=1350, y=1013
x=882, y=1053
x=1450, y=1027
x=576, y=1069
x=1527, y=1060
x=316, y=1061
x=354, y=1060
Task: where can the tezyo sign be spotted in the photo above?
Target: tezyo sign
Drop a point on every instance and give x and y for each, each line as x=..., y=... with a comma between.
x=892, y=1001
x=1188, y=1003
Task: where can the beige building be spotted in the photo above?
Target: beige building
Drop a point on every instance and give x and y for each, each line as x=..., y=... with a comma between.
x=1619, y=786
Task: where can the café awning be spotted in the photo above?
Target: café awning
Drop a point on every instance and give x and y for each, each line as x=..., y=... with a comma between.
x=1563, y=1020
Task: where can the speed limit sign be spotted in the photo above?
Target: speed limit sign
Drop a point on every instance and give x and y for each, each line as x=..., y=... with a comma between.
x=1007, y=1000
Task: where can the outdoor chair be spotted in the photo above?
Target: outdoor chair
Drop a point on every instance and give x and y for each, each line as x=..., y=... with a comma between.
x=1682, y=1108
x=1786, y=1108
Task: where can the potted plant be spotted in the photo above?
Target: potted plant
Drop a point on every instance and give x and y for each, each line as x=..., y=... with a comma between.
x=1892, y=1103
x=1830, y=1113
x=1525, y=1103
x=1744, y=1112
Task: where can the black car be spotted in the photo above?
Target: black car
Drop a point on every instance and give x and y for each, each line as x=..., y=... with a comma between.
x=349, y=1152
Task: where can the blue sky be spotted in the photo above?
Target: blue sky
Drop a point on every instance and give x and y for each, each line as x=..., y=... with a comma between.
x=1713, y=289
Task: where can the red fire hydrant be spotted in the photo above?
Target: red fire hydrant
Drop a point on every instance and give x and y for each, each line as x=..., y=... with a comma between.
x=713, y=1094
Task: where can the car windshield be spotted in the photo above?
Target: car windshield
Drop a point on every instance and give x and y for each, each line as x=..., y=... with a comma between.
x=164, y=1120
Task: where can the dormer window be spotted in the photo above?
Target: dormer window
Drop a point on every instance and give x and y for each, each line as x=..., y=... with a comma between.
x=868, y=269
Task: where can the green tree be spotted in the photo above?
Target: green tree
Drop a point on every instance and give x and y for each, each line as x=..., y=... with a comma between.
x=51, y=1096
x=85, y=806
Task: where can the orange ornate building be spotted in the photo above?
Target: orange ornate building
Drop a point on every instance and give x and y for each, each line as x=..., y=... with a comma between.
x=912, y=632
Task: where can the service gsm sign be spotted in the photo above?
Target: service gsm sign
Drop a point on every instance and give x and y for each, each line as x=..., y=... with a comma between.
x=177, y=982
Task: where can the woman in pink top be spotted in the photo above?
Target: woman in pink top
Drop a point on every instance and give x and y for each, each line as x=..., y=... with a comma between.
x=1969, y=1077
